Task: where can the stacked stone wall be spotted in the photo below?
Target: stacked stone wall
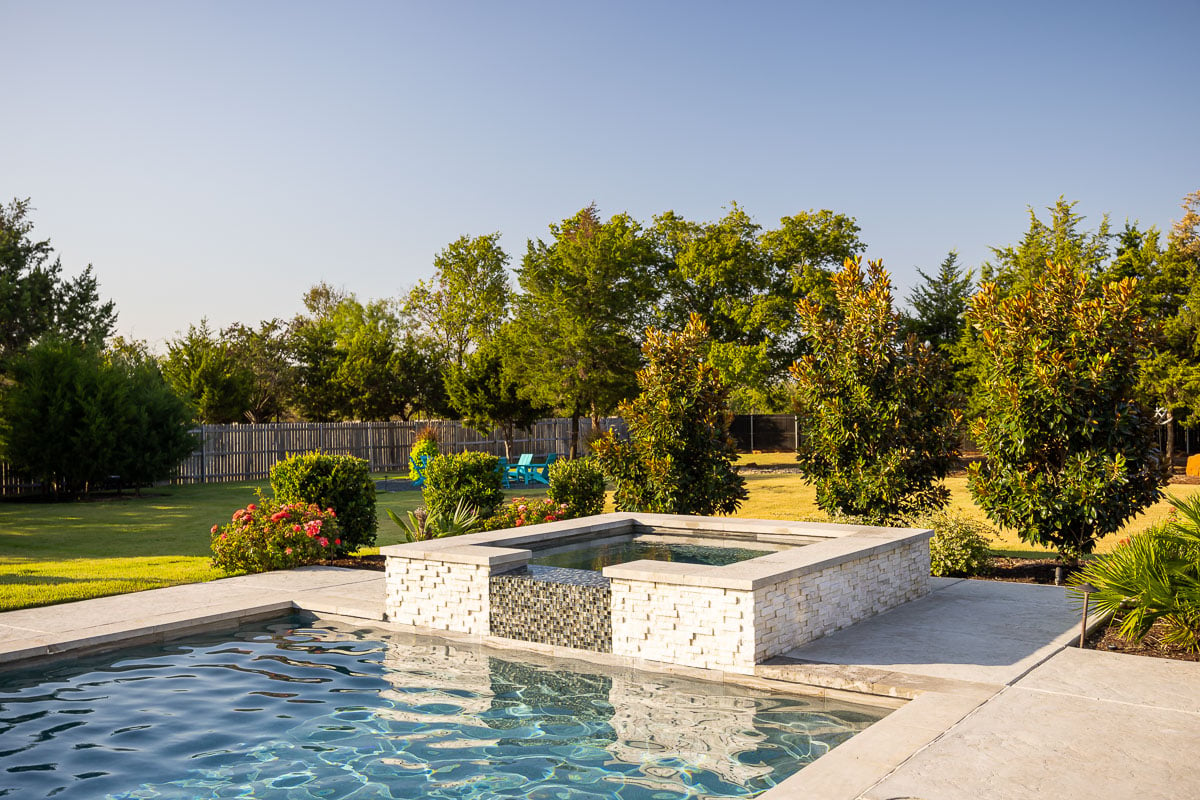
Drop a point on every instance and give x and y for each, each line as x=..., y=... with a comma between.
x=439, y=595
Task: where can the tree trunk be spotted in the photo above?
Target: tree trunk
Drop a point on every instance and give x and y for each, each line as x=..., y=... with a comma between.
x=574, y=434
x=507, y=431
x=1170, y=446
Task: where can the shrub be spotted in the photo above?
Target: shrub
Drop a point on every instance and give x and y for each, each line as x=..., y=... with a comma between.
x=523, y=511
x=426, y=444
x=579, y=484
x=679, y=456
x=339, y=482
x=1070, y=453
x=422, y=526
x=1152, y=576
x=271, y=535
x=878, y=423
x=959, y=547
x=71, y=417
x=470, y=478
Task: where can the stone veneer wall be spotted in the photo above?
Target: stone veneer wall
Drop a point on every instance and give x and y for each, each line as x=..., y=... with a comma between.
x=733, y=629
x=439, y=595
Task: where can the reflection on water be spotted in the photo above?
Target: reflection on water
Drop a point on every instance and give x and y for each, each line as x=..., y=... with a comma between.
x=331, y=711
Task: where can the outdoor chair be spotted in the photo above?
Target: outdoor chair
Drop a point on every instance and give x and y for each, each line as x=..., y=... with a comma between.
x=418, y=466
x=540, y=473
x=520, y=470
x=502, y=469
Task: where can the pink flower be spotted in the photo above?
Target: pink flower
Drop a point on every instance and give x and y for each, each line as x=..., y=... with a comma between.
x=520, y=522
x=251, y=507
x=222, y=537
x=288, y=550
x=214, y=529
x=323, y=542
x=279, y=515
x=296, y=528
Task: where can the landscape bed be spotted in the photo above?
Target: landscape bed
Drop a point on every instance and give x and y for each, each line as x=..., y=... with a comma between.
x=295, y=709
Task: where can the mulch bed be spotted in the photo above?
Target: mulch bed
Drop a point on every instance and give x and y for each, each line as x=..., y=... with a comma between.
x=1108, y=639
x=355, y=562
x=1026, y=570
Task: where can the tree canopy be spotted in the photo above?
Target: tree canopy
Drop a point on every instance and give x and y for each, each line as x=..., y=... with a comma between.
x=36, y=300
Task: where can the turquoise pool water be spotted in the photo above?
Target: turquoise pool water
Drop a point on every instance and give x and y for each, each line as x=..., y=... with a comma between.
x=598, y=556
x=289, y=711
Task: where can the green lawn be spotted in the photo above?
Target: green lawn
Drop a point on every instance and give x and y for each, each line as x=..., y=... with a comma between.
x=55, y=552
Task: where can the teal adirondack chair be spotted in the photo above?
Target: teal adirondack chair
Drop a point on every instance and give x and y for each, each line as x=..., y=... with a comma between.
x=419, y=468
x=540, y=473
x=502, y=469
x=520, y=470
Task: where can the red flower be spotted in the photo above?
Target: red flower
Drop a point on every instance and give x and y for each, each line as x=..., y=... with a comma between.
x=337, y=541
x=214, y=529
x=251, y=507
x=323, y=542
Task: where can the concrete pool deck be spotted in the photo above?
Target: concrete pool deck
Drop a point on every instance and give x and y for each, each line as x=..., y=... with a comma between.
x=999, y=706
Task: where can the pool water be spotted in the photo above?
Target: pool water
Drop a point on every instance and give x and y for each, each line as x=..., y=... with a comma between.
x=598, y=556
x=291, y=711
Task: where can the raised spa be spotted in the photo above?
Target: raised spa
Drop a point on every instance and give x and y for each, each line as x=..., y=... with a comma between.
x=803, y=581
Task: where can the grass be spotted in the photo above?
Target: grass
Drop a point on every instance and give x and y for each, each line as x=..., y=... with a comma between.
x=56, y=552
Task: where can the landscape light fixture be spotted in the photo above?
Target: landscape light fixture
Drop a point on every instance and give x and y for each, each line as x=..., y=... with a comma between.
x=1087, y=590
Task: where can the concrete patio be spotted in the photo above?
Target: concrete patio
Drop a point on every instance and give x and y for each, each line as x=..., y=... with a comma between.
x=999, y=705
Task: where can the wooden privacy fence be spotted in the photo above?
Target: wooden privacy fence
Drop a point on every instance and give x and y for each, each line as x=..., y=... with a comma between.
x=246, y=452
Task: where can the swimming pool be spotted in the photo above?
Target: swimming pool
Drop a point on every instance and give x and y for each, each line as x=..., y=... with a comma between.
x=297, y=710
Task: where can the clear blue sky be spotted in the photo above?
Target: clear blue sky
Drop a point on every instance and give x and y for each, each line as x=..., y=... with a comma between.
x=216, y=159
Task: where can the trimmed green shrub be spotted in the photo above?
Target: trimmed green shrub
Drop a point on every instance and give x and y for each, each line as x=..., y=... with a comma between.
x=272, y=535
x=425, y=445
x=959, y=547
x=468, y=477
x=578, y=483
x=342, y=483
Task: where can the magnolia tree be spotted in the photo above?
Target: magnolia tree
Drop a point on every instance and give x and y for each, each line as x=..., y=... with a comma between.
x=679, y=455
x=1069, y=453
x=879, y=425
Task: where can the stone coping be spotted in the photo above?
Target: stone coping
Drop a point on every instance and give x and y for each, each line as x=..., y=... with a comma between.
x=839, y=544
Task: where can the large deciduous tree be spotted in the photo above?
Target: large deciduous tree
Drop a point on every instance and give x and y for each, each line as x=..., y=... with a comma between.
x=466, y=302
x=35, y=299
x=879, y=425
x=1069, y=454
x=585, y=292
x=679, y=456
x=487, y=395
x=743, y=282
x=203, y=370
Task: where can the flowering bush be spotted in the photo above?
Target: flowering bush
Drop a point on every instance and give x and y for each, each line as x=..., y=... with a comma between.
x=523, y=511
x=270, y=535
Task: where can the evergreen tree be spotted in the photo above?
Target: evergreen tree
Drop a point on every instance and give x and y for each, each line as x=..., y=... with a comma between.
x=35, y=300
x=202, y=370
x=1069, y=453
x=879, y=422
x=940, y=304
x=679, y=455
x=487, y=395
